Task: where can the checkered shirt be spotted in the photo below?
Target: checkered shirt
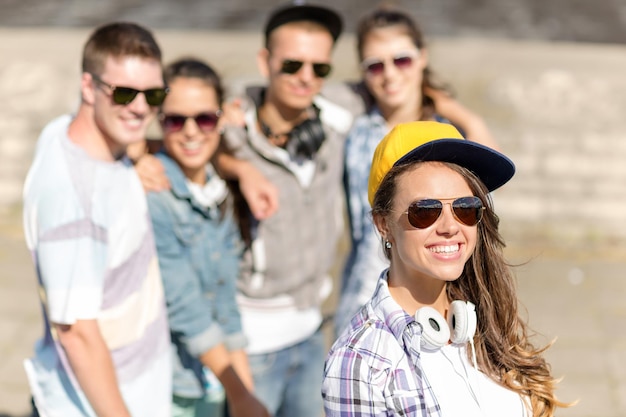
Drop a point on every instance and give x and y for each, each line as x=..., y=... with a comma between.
x=374, y=368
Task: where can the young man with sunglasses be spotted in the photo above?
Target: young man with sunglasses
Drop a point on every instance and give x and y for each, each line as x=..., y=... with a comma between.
x=295, y=137
x=105, y=349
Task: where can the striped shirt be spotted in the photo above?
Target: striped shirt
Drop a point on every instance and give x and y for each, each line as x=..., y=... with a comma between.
x=87, y=225
x=374, y=368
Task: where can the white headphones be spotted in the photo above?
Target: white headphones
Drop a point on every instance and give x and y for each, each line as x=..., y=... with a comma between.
x=436, y=331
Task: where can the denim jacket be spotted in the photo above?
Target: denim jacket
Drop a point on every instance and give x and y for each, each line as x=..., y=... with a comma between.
x=199, y=250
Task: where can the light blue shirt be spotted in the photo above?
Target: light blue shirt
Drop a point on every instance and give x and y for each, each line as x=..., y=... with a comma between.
x=366, y=259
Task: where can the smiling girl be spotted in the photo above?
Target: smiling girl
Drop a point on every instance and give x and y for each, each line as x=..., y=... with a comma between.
x=199, y=250
x=441, y=336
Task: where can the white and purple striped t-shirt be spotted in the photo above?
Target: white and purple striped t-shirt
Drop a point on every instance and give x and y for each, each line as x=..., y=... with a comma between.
x=87, y=225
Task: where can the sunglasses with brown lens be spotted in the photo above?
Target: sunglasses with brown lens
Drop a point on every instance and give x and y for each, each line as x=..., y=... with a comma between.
x=424, y=213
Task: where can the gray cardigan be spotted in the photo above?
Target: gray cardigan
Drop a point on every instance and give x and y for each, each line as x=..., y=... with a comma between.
x=299, y=242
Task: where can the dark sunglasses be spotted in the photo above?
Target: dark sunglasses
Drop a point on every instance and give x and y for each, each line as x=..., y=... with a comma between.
x=376, y=66
x=424, y=213
x=207, y=122
x=320, y=69
x=125, y=95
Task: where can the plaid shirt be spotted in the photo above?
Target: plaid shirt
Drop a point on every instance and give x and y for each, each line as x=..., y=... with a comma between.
x=374, y=368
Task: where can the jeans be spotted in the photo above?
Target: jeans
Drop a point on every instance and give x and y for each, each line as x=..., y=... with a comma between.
x=196, y=407
x=289, y=381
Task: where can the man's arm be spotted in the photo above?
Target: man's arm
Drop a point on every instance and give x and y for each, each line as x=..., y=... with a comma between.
x=239, y=360
x=150, y=170
x=472, y=124
x=260, y=194
x=241, y=401
x=151, y=173
x=91, y=362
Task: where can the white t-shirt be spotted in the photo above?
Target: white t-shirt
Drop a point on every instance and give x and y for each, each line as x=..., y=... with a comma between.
x=86, y=223
x=461, y=390
x=276, y=323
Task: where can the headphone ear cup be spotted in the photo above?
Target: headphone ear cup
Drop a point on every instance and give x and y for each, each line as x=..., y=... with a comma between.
x=435, y=330
x=462, y=321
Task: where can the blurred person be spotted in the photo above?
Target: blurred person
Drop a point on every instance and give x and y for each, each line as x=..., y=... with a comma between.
x=106, y=341
x=441, y=335
x=199, y=249
x=260, y=195
x=397, y=86
x=295, y=137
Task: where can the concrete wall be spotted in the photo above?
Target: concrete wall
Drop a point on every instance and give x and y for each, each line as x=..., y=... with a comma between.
x=558, y=110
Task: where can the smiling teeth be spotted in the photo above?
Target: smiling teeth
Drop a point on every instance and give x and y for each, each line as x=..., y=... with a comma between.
x=445, y=249
x=134, y=122
x=191, y=145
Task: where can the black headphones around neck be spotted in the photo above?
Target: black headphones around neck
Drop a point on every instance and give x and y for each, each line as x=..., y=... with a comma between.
x=304, y=140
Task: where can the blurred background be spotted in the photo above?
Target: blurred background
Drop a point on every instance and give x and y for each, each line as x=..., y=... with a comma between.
x=563, y=20
x=547, y=76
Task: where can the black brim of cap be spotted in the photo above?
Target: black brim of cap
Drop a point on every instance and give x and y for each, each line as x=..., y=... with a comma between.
x=491, y=167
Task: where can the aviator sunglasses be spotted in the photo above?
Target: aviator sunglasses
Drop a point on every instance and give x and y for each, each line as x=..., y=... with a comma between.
x=320, y=69
x=125, y=95
x=424, y=213
x=207, y=121
x=376, y=66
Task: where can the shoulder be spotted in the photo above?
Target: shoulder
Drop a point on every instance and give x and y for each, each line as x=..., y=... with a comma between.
x=173, y=171
x=371, y=341
x=160, y=205
x=334, y=115
x=162, y=200
x=54, y=128
x=371, y=120
x=48, y=161
x=364, y=135
x=159, y=198
x=347, y=95
x=236, y=137
x=50, y=193
x=53, y=207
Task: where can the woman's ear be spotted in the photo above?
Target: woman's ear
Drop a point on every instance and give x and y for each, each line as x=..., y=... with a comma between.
x=380, y=222
x=262, y=62
x=87, y=88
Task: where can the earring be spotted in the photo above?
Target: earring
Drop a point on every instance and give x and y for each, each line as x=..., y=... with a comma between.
x=387, y=244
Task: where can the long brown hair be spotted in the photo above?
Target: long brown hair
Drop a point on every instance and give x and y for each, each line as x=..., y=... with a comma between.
x=385, y=17
x=503, y=349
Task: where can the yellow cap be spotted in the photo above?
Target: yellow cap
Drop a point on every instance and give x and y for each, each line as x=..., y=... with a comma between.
x=434, y=141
